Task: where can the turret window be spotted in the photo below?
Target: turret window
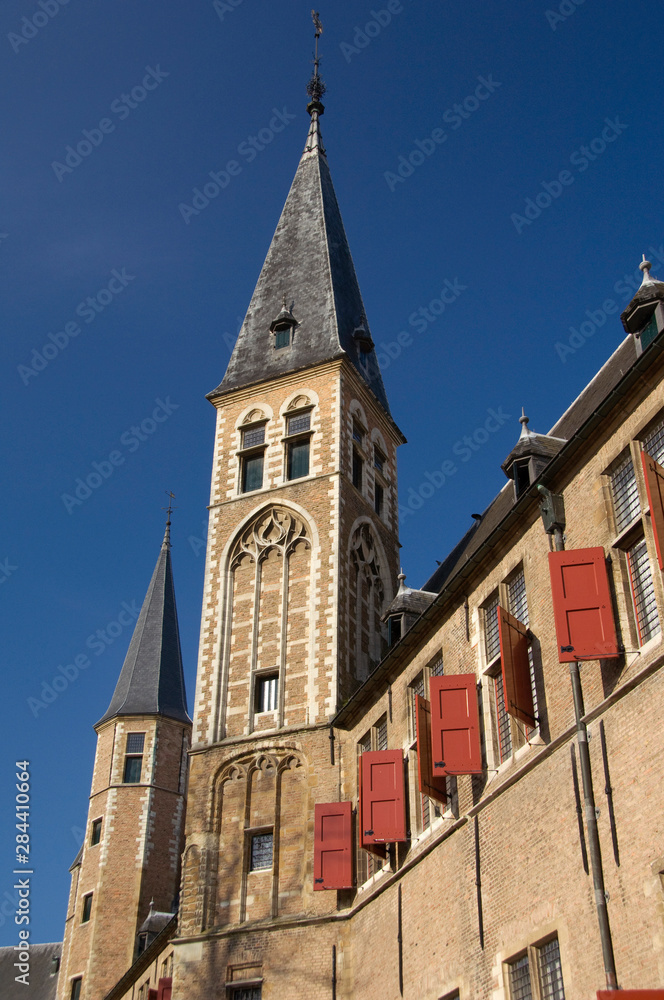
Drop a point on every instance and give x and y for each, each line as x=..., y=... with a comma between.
x=75, y=989
x=95, y=833
x=133, y=758
x=358, y=470
x=87, y=908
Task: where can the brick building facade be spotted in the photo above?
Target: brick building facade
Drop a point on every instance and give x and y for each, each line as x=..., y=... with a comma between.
x=299, y=880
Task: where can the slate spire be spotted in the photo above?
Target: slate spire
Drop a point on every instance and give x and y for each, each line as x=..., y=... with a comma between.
x=151, y=681
x=309, y=262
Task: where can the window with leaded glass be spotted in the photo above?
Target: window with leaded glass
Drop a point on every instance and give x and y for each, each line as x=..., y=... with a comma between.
x=519, y=977
x=503, y=724
x=517, y=605
x=381, y=734
x=491, y=636
x=653, y=442
x=297, y=451
x=379, y=460
x=537, y=973
x=624, y=493
x=643, y=591
x=358, y=432
x=133, y=764
x=261, y=851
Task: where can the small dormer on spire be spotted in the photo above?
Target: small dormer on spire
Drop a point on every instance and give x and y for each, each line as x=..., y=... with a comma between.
x=644, y=316
x=283, y=326
x=529, y=456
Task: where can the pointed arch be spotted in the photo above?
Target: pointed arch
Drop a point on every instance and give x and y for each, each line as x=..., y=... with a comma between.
x=369, y=593
x=267, y=617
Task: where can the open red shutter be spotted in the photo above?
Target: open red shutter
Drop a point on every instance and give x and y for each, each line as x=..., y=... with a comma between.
x=383, y=797
x=654, y=474
x=455, y=725
x=333, y=846
x=153, y=994
x=516, y=667
x=432, y=786
x=165, y=988
x=582, y=605
x=379, y=850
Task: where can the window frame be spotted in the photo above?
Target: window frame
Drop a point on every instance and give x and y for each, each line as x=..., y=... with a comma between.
x=299, y=437
x=96, y=830
x=248, y=452
x=86, y=908
x=76, y=985
x=633, y=533
x=252, y=835
x=261, y=678
x=532, y=954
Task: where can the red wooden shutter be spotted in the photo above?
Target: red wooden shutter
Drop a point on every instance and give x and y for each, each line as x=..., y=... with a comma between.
x=333, y=846
x=165, y=988
x=153, y=994
x=455, y=725
x=582, y=605
x=432, y=786
x=379, y=850
x=516, y=668
x=631, y=995
x=383, y=797
x=654, y=474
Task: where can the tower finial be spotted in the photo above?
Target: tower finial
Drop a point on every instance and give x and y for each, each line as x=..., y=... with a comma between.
x=316, y=87
x=169, y=510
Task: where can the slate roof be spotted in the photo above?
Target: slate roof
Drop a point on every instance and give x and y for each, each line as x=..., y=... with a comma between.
x=408, y=601
x=151, y=681
x=309, y=263
x=43, y=973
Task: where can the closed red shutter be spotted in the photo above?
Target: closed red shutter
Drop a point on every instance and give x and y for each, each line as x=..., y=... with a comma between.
x=631, y=995
x=516, y=667
x=582, y=605
x=654, y=474
x=432, y=786
x=165, y=988
x=383, y=797
x=333, y=846
x=455, y=725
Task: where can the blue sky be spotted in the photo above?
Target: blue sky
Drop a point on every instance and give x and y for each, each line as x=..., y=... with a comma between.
x=498, y=169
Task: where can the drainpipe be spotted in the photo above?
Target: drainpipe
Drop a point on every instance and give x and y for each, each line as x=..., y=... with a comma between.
x=553, y=516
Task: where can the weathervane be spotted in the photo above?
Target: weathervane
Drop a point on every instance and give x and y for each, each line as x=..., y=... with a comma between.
x=316, y=87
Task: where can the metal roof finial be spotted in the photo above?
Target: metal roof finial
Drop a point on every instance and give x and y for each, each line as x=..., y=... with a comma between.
x=645, y=266
x=524, y=421
x=169, y=510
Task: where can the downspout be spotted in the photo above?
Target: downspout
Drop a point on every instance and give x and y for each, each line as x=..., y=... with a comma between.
x=553, y=516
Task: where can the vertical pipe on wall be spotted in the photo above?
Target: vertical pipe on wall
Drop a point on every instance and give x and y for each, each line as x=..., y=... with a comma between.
x=478, y=883
x=400, y=941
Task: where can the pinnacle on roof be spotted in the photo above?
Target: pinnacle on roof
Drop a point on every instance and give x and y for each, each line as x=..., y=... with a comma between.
x=151, y=681
x=640, y=309
x=309, y=262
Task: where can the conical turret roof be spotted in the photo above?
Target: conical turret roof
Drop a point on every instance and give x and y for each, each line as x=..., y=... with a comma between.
x=308, y=266
x=151, y=681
